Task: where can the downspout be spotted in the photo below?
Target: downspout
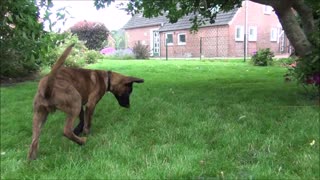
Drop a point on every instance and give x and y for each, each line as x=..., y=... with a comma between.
x=246, y=31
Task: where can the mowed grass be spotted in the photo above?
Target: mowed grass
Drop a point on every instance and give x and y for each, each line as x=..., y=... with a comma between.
x=190, y=120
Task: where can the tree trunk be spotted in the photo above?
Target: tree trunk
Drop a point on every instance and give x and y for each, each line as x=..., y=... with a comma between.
x=306, y=16
x=294, y=32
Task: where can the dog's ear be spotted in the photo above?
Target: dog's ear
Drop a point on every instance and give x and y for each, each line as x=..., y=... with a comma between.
x=130, y=80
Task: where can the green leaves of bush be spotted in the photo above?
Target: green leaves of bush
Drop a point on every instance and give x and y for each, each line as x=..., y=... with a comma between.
x=263, y=57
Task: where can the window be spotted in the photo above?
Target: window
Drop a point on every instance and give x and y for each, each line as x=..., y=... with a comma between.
x=239, y=33
x=169, y=38
x=182, y=39
x=273, y=34
x=267, y=9
x=252, y=33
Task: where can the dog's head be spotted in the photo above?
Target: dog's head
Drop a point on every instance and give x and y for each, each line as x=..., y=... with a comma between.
x=122, y=86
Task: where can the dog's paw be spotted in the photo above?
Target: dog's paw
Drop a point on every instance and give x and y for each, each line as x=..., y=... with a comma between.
x=32, y=155
x=86, y=131
x=84, y=140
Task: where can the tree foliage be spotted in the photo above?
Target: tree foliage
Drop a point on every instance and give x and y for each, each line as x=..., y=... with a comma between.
x=24, y=44
x=93, y=33
x=119, y=37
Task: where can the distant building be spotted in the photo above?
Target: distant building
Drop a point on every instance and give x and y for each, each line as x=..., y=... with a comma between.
x=224, y=38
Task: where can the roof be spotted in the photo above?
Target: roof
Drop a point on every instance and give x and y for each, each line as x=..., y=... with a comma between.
x=222, y=18
x=139, y=21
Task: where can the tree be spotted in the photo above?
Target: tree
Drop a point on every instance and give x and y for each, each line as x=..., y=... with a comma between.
x=119, y=37
x=299, y=33
x=93, y=33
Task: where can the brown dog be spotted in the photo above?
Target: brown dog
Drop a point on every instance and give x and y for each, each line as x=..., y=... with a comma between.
x=70, y=89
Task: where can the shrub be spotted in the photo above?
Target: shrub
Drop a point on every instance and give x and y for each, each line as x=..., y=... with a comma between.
x=286, y=61
x=23, y=42
x=93, y=33
x=140, y=51
x=77, y=55
x=25, y=46
x=263, y=57
x=92, y=57
x=123, y=54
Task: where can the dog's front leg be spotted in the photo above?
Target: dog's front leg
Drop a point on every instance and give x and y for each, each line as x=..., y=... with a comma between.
x=79, y=127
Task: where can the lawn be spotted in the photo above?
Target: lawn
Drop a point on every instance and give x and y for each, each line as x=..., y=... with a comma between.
x=190, y=119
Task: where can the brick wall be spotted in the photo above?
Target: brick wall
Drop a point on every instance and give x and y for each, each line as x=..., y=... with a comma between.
x=214, y=43
x=139, y=34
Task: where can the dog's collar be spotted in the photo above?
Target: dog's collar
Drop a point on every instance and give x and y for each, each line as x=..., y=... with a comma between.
x=109, y=80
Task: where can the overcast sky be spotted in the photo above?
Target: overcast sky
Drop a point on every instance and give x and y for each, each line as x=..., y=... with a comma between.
x=113, y=17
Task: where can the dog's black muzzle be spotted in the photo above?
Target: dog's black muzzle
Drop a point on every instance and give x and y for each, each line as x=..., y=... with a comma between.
x=123, y=101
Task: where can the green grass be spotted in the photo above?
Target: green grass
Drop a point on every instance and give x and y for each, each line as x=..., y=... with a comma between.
x=190, y=119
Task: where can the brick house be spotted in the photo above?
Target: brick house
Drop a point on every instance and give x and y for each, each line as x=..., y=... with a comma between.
x=224, y=38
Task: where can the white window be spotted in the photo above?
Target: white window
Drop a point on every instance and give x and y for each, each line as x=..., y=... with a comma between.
x=267, y=9
x=182, y=39
x=252, y=33
x=239, y=33
x=169, y=38
x=273, y=34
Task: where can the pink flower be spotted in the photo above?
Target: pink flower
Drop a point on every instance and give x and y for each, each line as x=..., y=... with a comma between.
x=108, y=51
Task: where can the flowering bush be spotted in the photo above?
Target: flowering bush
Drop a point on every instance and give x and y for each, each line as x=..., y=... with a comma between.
x=119, y=54
x=263, y=57
x=307, y=72
x=108, y=51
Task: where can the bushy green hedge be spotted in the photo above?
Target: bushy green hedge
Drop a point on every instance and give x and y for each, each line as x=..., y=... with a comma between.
x=23, y=43
x=93, y=33
x=79, y=56
x=92, y=56
x=263, y=57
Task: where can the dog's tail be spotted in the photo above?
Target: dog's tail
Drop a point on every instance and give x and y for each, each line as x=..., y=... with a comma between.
x=54, y=70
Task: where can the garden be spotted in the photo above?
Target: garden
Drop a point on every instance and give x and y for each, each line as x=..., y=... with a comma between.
x=190, y=119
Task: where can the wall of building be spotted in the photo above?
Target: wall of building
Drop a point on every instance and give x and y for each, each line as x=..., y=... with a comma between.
x=139, y=34
x=217, y=41
x=256, y=18
x=214, y=43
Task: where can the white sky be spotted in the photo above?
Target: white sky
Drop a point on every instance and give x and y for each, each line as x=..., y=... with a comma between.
x=113, y=17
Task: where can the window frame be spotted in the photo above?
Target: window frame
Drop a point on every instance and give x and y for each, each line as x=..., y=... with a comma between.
x=255, y=33
x=171, y=43
x=185, y=38
x=241, y=38
x=274, y=32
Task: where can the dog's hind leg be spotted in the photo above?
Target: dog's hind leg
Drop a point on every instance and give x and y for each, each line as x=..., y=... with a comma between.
x=72, y=114
x=69, y=133
x=39, y=118
x=79, y=127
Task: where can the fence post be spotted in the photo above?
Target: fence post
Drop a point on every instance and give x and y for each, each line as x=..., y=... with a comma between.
x=245, y=48
x=166, y=49
x=200, y=48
